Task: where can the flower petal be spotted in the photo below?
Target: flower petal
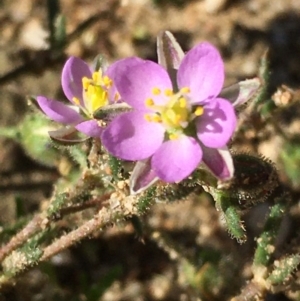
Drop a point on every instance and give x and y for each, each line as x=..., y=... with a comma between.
x=202, y=70
x=217, y=124
x=58, y=111
x=112, y=72
x=219, y=161
x=142, y=177
x=71, y=78
x=90, y=128
x=176, y=159
x=130, y=137
x=136, y=78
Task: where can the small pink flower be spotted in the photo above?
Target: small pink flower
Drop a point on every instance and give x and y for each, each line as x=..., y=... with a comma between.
x=174, y=127
x=87, y=91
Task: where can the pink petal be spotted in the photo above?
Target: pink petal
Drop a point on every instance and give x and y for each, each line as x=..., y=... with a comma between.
x=217, y=124
x=90, y=128
x=130, y=137
x=112, y=71
x=136, y=78
x=176, y=159
x=219, y=161
x=71, y=79
x=58, y=111
x=202, y=70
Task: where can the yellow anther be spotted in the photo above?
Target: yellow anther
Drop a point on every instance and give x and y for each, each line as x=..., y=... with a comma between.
x=185, y=90
x=107, y=81
x=168, y=92
x=156, y=118
x=182, y=102
x=85, y=83
x=149, y=102
x=199, y=111
x=76, y=101
x=156, y=91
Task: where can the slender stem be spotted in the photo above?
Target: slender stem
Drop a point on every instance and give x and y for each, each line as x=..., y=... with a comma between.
x=30, y=229
x=74, y=236
x=80, y=207
x=119, y=207
x=106, y=216
x=41, y=221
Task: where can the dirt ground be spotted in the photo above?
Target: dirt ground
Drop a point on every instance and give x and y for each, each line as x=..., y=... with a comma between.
x=243, y=30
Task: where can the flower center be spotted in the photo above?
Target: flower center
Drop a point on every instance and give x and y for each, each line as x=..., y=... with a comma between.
x=176, y=114
x=95, y=92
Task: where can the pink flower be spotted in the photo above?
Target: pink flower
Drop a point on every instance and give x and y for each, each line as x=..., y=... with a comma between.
x=87, y=91
x=173, y=125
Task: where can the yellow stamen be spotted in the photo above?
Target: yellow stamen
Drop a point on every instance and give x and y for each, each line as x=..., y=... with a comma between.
x=157, y=118
x=85, y=83
x=175, y=114
x=76, y=101
x=185, y=90
x=156, y=91
x=199, y=111
x=149, y=102
x=168, y=92
x=107, y=81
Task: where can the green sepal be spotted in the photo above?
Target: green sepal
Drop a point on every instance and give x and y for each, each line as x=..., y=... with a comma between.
x=266, y=241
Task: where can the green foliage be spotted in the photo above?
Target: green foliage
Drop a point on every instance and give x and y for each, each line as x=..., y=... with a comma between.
x=78, y=155
x=266, y=241
x=116, y=168
x=56, y=24
x=290, y=157
x=60, y=35
x=27, y=256
x=254, y=181
x=57, y=202
x=32, y=134
x=146, y=200
x=283, y=269
x=231, y=216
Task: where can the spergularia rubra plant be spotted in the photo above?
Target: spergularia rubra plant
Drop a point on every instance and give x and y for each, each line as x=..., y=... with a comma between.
x=87, y=91
x=173, y=125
